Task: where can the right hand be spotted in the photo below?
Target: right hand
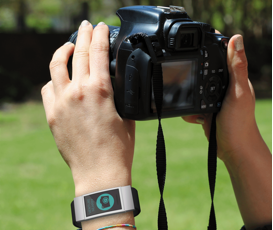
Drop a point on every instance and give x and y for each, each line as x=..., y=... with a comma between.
x=236, y=125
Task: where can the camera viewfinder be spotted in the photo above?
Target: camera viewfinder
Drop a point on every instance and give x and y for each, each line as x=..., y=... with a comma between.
x=182, y=37
x=186, y=40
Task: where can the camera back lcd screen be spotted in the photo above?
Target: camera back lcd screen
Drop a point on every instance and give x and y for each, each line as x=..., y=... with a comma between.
x=178, y=85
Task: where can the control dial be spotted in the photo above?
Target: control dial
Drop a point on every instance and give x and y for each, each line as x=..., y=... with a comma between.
x=213, y=88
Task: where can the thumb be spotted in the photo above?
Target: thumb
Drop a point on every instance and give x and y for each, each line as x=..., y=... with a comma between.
x=237, y=65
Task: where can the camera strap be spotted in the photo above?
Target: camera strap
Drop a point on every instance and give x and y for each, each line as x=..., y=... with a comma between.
x=212, y=167
x=160, y=145
x=161, y=154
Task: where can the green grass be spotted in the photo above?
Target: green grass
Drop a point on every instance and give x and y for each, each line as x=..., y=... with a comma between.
x=36, y=186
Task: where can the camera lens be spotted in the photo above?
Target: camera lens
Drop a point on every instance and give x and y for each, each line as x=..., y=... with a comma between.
x=186, y=40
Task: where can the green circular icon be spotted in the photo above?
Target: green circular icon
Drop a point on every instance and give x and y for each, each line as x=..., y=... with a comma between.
x=105, y=201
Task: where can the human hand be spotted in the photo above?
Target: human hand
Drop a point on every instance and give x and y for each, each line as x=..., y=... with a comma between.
x=96, y=143
x=236, y=121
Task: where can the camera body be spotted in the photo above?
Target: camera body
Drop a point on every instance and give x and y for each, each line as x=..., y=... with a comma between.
x=193, y=59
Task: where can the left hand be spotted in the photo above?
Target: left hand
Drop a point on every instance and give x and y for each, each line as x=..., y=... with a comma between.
x=96, y=143
x=236, y=125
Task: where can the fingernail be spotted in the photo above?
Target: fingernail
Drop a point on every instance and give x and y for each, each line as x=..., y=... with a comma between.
x=85, y=23
x=200, y=120
x=239, y=43
x=101, y=23
x=68, y=43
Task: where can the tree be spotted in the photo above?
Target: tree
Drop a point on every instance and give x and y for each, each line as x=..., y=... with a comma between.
x=45, y=15
x=137, y=2
x=21, y=23
x=250, y=17
x=19, y=9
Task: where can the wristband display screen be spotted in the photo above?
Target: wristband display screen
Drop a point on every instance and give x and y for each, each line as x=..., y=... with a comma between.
x=102, y=202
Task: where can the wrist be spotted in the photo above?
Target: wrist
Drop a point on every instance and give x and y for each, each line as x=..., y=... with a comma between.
x=249, y=151
x=250, y=170
x=122, y=218
x=123, y=213
x=90, y=182
x=233, y=145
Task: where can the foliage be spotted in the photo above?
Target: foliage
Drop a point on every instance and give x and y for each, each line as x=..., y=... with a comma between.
x=250, y=17
x=7, y=20
x=40, y=15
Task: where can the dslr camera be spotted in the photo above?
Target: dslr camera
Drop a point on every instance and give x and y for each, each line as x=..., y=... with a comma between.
x=193, y=59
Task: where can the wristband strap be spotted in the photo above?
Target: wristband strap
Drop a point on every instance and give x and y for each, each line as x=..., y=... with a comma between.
x=90, y=206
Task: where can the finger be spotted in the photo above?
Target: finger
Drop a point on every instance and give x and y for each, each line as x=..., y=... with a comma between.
x=237, y=63
x=252, y=91
x=99, y=53
x=203, y=119
x=48, y=98
x=217, y=31
x=207, y=125
x=194, y=119
x=81, y=55
x=58, y=66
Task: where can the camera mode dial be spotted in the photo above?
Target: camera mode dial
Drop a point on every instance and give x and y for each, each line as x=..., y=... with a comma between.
x=172, y=9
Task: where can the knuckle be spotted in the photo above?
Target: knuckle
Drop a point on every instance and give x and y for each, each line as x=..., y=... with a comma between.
x=100, y=47
x=77, y=93
x=81, y=53
x=240, y=64
x=240, y=61
x=45, y=88
x=102, y=89
x=51, y=120
x=55, y=64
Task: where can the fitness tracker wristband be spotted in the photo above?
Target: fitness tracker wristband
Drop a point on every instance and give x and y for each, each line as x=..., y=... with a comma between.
x=103, y=203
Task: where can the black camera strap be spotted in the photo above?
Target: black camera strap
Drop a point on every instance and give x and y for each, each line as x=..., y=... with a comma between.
x=161, y=154
x=212, y=167
x=160, y=145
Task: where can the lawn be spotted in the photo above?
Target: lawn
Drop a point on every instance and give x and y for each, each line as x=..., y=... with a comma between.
x=36, y=186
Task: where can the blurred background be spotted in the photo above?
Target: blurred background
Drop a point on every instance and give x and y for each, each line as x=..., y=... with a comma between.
x=36, y=186
x=31, y=30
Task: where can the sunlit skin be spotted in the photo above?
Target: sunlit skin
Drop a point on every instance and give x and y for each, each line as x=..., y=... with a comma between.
x=99, y=149
x=240, y=145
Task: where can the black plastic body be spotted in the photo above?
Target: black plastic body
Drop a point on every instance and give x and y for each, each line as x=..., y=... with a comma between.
x=131, y=62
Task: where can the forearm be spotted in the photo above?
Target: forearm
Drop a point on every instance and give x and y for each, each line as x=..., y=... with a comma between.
x=250, y=170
